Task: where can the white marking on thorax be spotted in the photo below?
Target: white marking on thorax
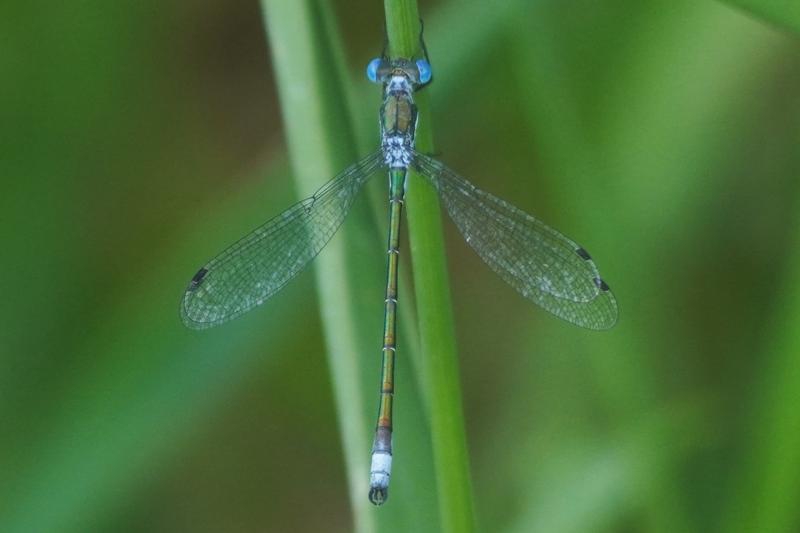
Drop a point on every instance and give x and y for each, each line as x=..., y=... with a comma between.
x=398, y=148
x=397, y=151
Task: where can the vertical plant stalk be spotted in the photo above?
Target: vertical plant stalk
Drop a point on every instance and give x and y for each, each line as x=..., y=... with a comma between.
x=765, y=497
x=321, y=142
x=437, y=335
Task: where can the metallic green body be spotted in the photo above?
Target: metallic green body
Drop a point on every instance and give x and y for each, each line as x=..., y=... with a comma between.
x=398, y=121
x=396, y=195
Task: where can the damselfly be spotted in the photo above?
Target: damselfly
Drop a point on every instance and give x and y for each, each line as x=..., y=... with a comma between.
x=540, y=263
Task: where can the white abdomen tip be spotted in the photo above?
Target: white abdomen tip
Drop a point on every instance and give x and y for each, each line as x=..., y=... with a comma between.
x=379, y=474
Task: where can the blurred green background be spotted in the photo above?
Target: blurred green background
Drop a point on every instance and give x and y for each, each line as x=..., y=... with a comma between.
x=138, y=139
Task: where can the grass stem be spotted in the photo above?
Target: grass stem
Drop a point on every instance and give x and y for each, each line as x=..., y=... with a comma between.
x=437, y=335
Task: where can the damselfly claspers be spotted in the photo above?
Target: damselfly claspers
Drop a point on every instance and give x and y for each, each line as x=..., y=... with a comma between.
x=540, y=263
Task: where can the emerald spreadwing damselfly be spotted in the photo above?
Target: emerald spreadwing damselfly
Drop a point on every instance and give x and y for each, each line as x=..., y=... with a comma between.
x=540, y=263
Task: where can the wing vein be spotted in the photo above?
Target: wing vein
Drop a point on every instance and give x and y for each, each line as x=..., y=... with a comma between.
x=537, y=261
x=260, y=264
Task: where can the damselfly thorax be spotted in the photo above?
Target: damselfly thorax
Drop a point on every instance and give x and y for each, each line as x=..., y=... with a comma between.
x=398, y=121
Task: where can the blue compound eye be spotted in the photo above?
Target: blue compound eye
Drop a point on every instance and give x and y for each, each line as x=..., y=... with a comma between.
x=425, y=72
x=372, y=69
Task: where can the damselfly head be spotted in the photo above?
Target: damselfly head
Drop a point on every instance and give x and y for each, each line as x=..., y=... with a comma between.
x=418, y=72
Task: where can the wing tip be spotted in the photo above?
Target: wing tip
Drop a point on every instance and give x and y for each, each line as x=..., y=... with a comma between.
x=189, y=319
x=612, y=316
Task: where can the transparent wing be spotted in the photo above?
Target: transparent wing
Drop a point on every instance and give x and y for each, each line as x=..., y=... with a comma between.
x=260, y=264
x=539, y=262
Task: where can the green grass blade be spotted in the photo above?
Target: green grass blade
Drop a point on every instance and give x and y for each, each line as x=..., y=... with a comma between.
x=785, y=13
x=318, y=150
x=318, y=113
x=437, y=337
x=767, y=483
